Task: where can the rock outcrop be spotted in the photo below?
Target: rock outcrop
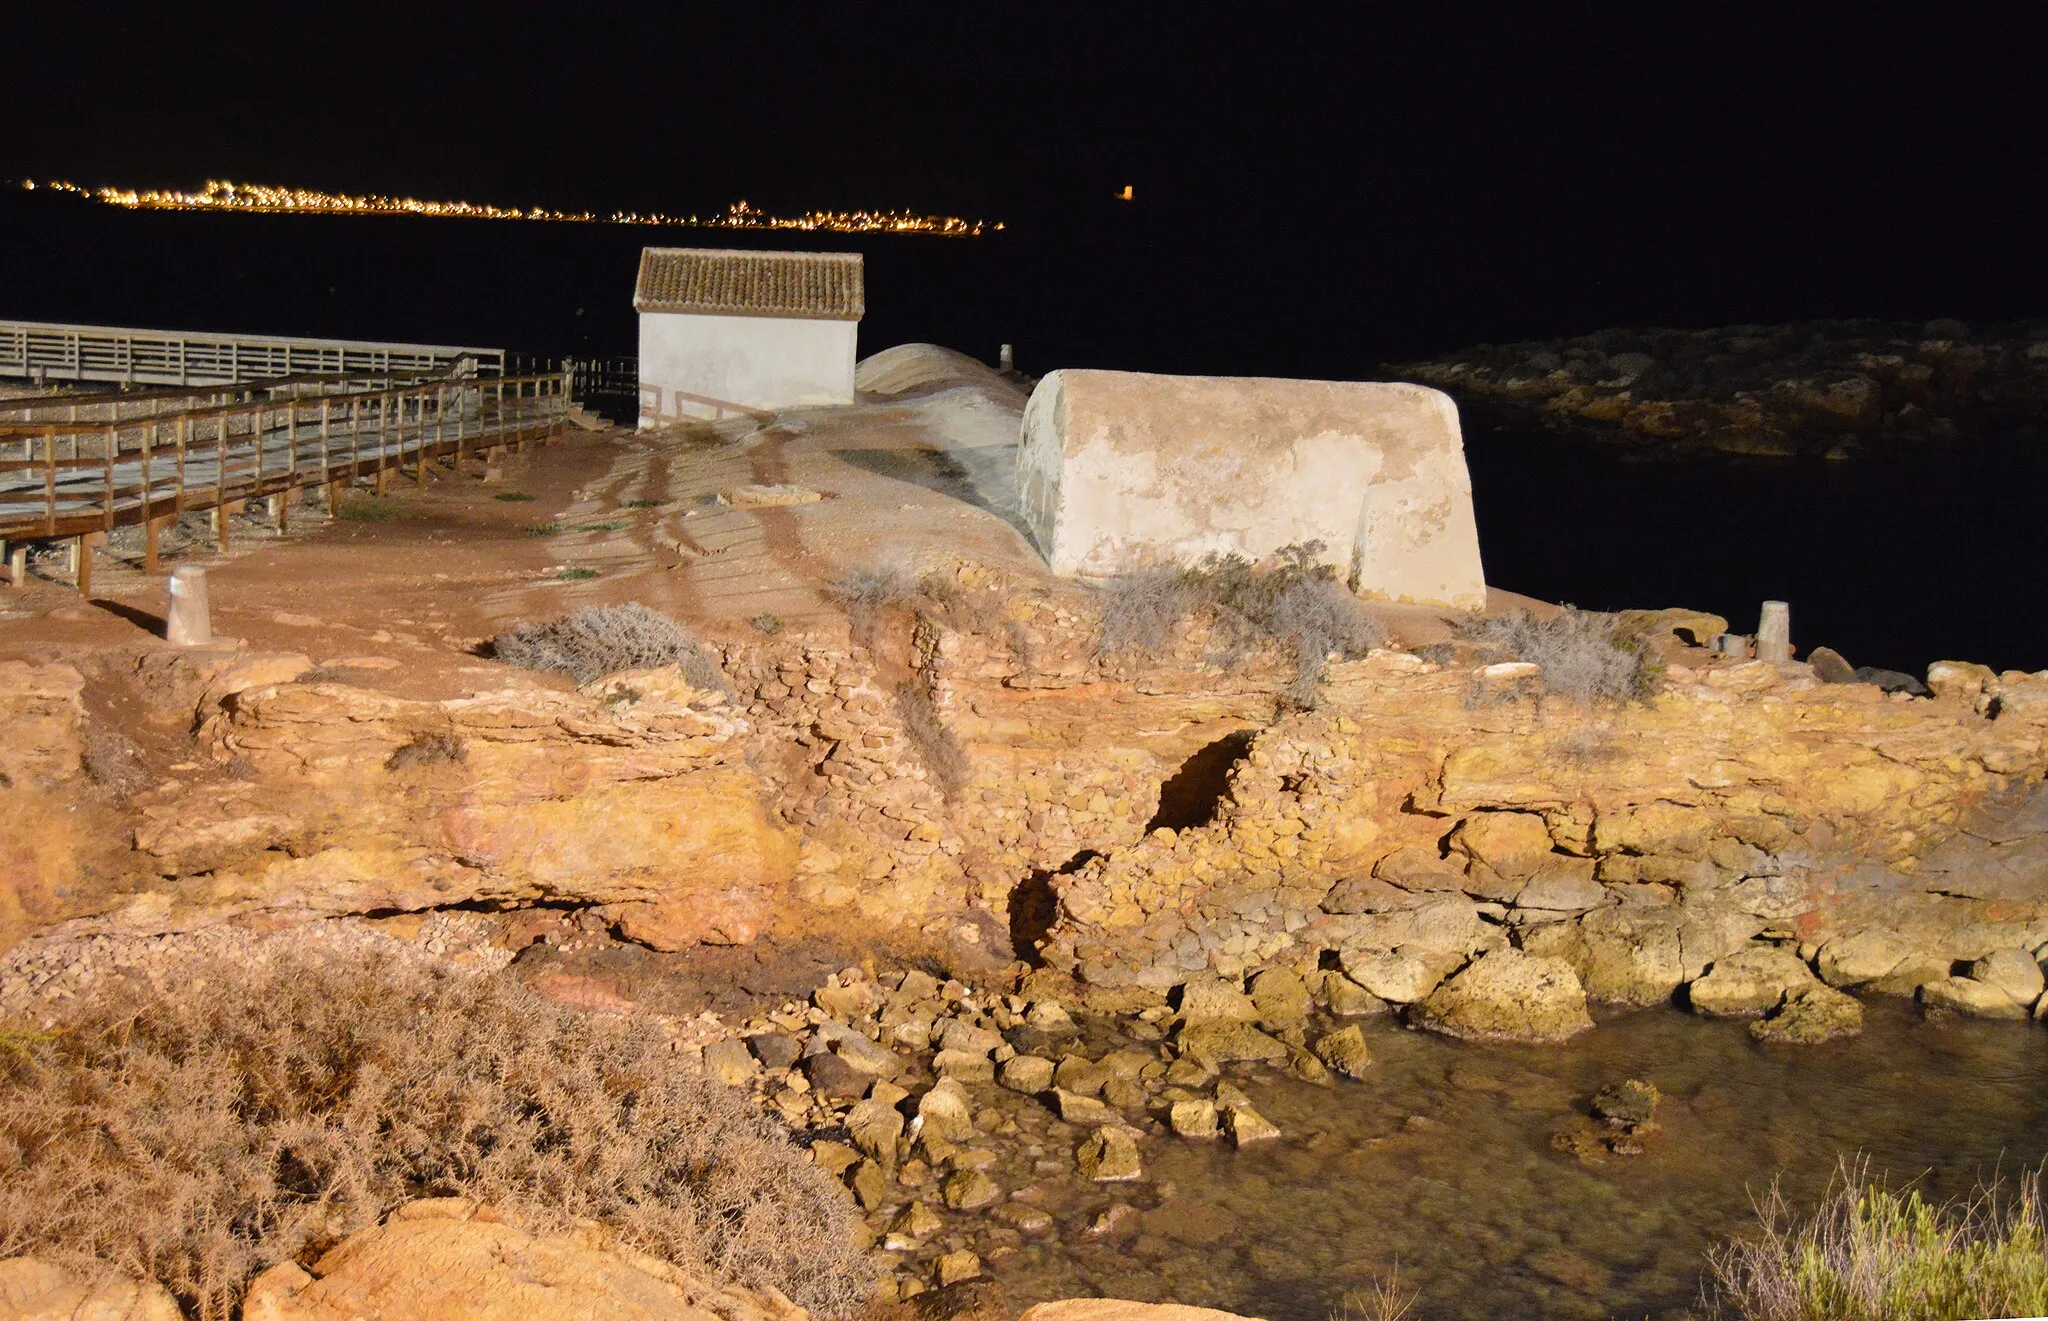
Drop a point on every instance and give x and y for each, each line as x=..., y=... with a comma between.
x=451, y=1258
x=1399, y=831
x=34, y=1290
x=1828, y=387
x=1507, y=995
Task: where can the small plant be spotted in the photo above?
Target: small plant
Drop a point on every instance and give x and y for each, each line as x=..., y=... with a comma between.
x=1382, y=1300
x=513, y=497
x=427, y=750
x=606, y=639
x=1580, y=656
x=371, y=509
x=331, y=674
x=933, y=598
x=872, y=589
x=1868, y=1253
x=611, y=525
x=867, y=592
x=642, y=504
x=251, y=1114
x=936, y=745
x=767, y=625
x=545, y=530
x=111, y=760
x=1296, y=603
x=574, y=575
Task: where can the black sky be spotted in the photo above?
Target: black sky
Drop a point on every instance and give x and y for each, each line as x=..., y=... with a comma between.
x=1659, y=163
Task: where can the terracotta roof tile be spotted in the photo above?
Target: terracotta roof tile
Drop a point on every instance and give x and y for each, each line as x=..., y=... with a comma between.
x=736, y=282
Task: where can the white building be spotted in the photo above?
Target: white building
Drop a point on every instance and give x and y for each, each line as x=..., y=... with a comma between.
x=723, y=330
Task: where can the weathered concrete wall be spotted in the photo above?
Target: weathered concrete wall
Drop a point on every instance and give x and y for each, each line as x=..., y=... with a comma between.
x=1120, y=467
x=760, y=362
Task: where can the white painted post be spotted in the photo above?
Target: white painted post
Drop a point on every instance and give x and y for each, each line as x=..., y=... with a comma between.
x=1774, y=633
x=1007, y=359
x=189, y=622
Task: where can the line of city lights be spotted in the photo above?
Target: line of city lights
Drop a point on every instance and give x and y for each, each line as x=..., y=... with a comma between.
x=219, y=195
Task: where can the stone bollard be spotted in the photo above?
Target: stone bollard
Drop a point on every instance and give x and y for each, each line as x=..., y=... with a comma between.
x=1774, y=633
x=1007, y=359
x=1731, y=644
x=189, y=622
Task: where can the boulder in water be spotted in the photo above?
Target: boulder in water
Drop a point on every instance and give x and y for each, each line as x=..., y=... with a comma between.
x=1809, y=1017
x=1507, y=995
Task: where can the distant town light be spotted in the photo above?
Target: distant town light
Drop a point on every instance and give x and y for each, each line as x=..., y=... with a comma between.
x=219, y=195
x=1125, y=195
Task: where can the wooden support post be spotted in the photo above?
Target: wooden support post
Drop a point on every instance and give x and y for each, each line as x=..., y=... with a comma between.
x=17, y=566
x=281, y=510
x=1774, y=633
x=220, y=527
x=81, y=562
x=151, y=527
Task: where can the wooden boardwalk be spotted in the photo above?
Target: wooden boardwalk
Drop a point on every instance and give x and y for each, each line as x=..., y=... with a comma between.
x=51, y=351
x=83, y=479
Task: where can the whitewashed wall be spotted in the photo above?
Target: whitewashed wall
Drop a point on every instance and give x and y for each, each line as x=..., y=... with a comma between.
x=757, y=362
x=1121, y=468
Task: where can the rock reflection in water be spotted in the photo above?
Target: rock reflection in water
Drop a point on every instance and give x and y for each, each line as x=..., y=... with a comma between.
x=1442, y=1160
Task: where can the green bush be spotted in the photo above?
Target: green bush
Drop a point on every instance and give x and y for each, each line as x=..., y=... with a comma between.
x=371, y=509
x=1868, y=1253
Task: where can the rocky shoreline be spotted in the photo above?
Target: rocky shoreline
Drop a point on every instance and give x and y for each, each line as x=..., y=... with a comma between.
x=1826, y=389
x=1089, y=904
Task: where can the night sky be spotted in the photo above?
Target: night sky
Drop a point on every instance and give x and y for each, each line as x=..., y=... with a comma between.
x=1309, y=200
x=1473, y=177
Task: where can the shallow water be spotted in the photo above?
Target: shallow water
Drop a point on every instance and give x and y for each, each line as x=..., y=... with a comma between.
x=1485, y=1219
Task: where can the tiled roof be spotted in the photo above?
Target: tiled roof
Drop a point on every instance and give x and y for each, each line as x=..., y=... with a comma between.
x=731, y=282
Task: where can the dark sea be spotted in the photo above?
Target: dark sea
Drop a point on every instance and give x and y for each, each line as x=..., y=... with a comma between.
x=1896, y=560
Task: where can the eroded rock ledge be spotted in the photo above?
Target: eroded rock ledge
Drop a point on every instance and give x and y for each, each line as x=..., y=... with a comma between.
x=1133, y=827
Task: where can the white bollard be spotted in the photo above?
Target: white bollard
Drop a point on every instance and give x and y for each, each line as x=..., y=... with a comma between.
x=1774, y=633
x=189, y=623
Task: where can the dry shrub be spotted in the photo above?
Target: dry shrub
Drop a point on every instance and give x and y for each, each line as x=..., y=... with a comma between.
x=259, y=1113
x=1295, y=604
x=1582, y=658
x=934, y=743
x=1384, y=1298
x=1868, y=1253
x=933, y=598
x=865, y=593
x=427, y=750
x=1141, y=608
x=111, y=760
x=605, y=639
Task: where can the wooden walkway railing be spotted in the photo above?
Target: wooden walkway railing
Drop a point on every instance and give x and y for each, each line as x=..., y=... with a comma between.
x=82, y=480
x=52, y=351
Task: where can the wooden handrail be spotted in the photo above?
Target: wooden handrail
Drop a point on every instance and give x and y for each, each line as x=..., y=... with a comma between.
x=264, y=448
